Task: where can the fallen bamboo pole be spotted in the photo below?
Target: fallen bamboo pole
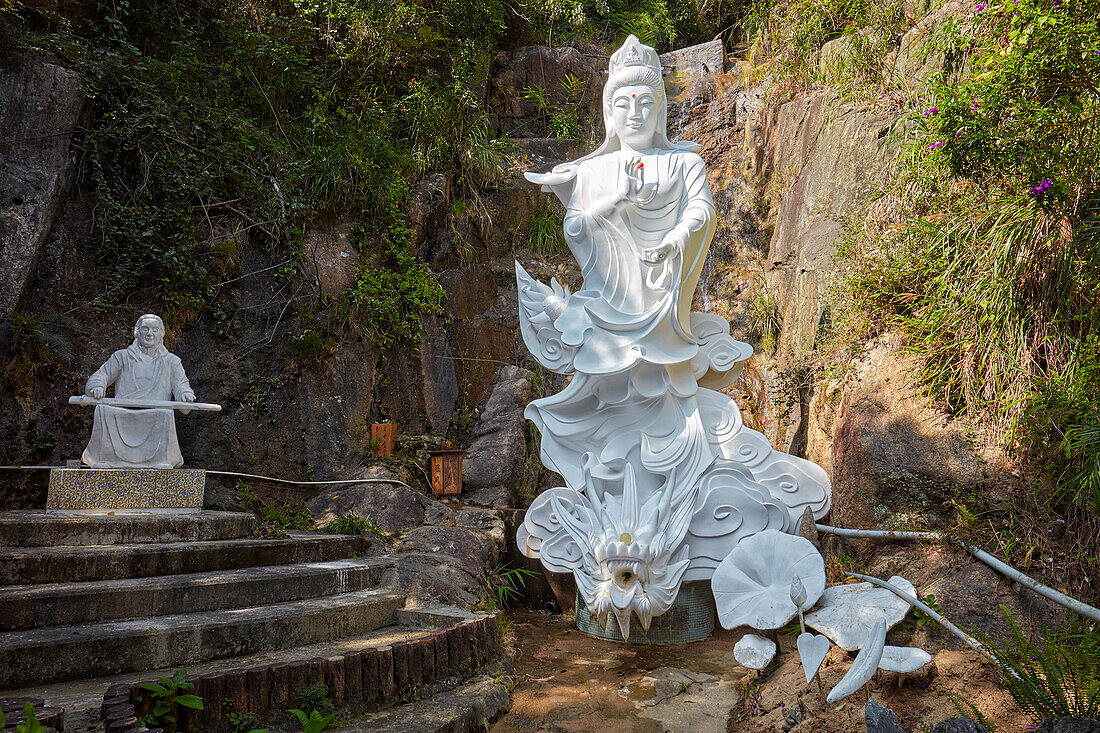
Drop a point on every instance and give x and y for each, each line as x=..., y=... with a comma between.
x=1005, y=569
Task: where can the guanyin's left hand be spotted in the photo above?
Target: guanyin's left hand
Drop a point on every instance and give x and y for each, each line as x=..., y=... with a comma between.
x=672, y=244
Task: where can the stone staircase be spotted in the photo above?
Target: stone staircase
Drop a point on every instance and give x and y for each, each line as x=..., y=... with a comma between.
x=91, y=596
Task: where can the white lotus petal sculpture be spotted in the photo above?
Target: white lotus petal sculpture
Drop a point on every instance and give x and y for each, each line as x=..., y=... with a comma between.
x=847, y=613
x=864, y=665
x=753, y=651
x=752, y=586
x=903, y=659
x=812, y=649
x=642, y=408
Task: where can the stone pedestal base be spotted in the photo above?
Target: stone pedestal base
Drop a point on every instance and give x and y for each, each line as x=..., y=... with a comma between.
x=125, y=488
x=691, y=618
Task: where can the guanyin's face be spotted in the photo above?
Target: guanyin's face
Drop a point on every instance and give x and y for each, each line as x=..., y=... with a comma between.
x=634, y=116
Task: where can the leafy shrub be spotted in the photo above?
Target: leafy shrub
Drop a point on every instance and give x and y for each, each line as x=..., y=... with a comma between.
x=316, y=698
x=315, y=722
x=165, y=694
x=287, y=516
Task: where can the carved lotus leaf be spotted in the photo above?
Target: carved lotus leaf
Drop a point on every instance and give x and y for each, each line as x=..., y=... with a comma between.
x=847, y=613
x=903, y=659
x=752, y=586
x=754, y=652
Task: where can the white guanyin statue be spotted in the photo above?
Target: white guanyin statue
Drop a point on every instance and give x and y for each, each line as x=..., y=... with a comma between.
x=662, y=476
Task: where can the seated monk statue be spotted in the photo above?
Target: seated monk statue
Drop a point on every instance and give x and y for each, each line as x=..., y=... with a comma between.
x=124, y=437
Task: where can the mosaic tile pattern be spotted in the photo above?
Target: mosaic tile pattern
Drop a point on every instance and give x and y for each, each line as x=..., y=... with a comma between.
x=125, y=488
x=691, y=618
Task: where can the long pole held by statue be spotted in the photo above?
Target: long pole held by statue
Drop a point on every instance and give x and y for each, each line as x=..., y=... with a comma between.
x=144, y=404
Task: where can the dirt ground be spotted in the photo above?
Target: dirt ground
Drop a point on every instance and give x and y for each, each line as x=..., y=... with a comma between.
x=568, y=681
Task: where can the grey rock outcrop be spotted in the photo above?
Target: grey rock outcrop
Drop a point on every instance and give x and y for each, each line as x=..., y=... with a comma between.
x=393, y=506
x=40, y=106
x=495, y=458
x=828, y=156
x=697, y=60
x=896, y=461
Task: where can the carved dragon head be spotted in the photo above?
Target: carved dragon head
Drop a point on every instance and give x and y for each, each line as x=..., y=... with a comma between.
x=632, y=557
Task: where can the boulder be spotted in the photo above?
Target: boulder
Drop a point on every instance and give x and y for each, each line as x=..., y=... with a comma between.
x=830, y=156
x=697, y=60
x=393, y=506
x=880, y=719
x=1069, y=725
x=330, y=253
x=496, y=456
x=442, y=565
x=438, y=379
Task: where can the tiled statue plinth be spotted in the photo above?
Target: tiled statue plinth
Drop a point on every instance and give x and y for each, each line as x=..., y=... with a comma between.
x=130, y=488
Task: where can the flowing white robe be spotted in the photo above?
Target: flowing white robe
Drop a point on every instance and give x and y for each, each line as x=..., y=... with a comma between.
x=123, y=437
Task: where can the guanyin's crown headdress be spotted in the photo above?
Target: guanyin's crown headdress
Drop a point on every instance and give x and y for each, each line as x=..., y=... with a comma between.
x=634, y=53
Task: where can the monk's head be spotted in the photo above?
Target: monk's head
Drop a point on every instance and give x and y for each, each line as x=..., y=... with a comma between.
x=149, y=331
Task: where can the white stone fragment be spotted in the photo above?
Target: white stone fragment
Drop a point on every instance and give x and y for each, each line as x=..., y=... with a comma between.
x=847, y=613
x=903, y=659
x=752, y=586
x=754, y=652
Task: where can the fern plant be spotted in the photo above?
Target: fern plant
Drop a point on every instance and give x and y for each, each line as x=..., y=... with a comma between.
x=1057, y=676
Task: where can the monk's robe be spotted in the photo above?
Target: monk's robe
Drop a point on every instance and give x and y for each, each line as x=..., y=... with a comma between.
x=124, y=437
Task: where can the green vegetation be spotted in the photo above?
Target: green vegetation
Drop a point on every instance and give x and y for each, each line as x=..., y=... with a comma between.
x=983, y=248
x=354, y=524
x=165, y=695
x=506, y=584
x=561, y=119
x=544, y=232
x=790, y=33
x=315, y=722
x=1054, y=677
x=316, y=697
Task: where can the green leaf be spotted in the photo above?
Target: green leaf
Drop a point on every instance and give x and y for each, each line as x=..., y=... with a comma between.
x=190, y=701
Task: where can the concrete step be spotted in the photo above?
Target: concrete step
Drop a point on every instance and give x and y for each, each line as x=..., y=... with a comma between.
x=64, y=604
x=73, y=652
x=82, y=699
x=74, y=564
x=26, y=528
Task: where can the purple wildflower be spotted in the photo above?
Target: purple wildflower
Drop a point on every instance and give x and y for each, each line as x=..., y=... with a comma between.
x=930, y=112
x=959, y=132
x=981, y=7
x=935, y=145
x=1041, y=188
